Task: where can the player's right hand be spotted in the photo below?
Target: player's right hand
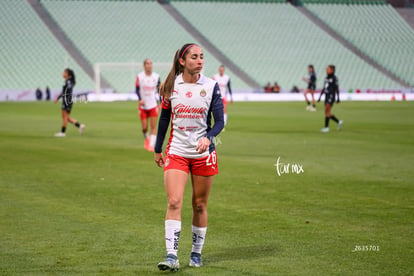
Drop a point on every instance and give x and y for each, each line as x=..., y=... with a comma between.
x=159, y=159
x=141, y=102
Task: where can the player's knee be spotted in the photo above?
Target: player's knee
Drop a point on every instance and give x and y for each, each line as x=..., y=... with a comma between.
x=174, y=203
x=199, y=207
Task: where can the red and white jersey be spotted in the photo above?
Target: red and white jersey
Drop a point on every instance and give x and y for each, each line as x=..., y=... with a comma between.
x=148, y=89
x=190, y=105
x=222, y=81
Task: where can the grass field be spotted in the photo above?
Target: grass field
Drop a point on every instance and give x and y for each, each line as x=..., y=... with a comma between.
x=95, y=204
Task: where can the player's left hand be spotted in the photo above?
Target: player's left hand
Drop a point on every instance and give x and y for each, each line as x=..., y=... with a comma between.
x=55, y=101
x=159, y=159
x=338, y=102
x=203, y=145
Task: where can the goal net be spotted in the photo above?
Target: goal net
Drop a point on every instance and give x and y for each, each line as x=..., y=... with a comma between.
x=119, y=77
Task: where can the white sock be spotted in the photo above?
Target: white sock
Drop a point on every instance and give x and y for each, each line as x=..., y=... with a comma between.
x=153, y=137
x=199, y=236
x=172, y=236
x=225, y=119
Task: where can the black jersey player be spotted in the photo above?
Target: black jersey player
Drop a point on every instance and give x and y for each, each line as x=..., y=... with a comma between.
x=67, y=102
x=311, y=81
x=331, y=91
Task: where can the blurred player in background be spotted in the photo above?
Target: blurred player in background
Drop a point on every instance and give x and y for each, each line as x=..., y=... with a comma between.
x=311, y=81
x=223, y=81
x=146, y=88
x=67, y=102
x=331, y=91
x=190, y=100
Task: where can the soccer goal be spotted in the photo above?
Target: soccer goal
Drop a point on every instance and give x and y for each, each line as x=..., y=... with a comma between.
x=120, y=76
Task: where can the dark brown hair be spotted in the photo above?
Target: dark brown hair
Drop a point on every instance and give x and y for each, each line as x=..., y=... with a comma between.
x=167, y=86
x=71, y=75
x=332, y=67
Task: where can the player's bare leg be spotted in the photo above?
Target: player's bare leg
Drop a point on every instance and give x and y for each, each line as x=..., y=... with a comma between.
x=144, y=127
x=65, y=117
x=175, y=181
x=327, y=117
x=312, y=92
x=225, y=112
x=77, y=124
x=201, y=190
x=309, y=106
x=330, y=116
x=153, y=136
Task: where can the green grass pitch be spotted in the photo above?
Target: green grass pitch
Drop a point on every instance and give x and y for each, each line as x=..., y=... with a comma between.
x=95, y=204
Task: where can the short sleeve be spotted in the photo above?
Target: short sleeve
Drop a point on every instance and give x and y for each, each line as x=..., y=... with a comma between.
x=166, y=103
x=137, y=82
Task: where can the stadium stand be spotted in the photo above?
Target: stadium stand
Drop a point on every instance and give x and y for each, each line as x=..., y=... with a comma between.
x=29, y=54
x=124, y=31
x=271, y=40
x=347, y=2
x=277, y=43
x=378, y=30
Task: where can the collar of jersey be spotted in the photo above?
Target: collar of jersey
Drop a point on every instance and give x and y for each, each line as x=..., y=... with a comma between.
x=199, y=81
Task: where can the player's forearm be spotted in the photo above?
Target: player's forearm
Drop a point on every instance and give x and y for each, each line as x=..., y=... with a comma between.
x=162, y=129
x=137, y=92
x=218, y=124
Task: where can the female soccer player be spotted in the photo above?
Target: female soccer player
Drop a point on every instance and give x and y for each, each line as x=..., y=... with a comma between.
x=331, y=90
x=146, y=88
x=67, y=102
x=223, y=81
x=189, y=99
x=311, y=81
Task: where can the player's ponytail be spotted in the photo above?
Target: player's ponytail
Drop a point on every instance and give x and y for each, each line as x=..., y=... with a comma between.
x=167, y=86
x=71, y=75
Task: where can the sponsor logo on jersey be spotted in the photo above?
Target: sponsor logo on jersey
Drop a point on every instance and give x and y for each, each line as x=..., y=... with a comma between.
x=167, y=162
x=203, y=93
x=188, y=111
x=175, y=92
x=148, y=88
x=189, y=94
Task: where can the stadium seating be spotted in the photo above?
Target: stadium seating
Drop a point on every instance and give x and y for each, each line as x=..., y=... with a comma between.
x=30, y=56
x=347, y=2
x=378, y=30
x=275, y=42
x=269, y=39
x=125, y=31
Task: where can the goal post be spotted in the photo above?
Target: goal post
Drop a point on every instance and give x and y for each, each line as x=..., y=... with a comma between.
x=128, y=70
